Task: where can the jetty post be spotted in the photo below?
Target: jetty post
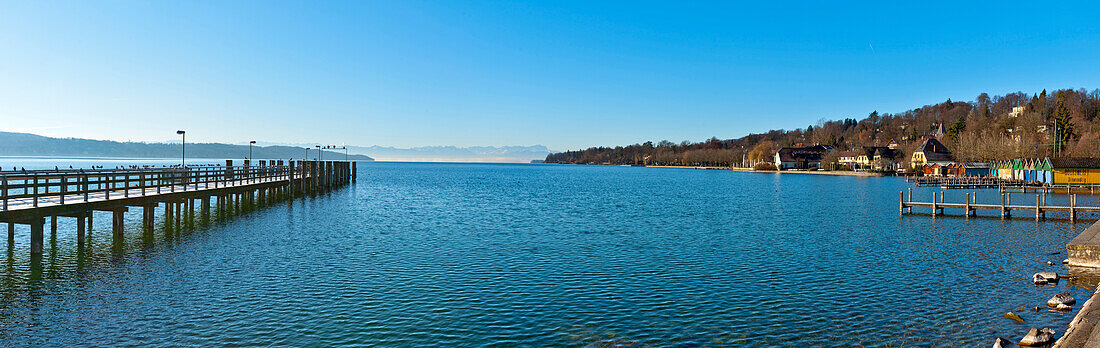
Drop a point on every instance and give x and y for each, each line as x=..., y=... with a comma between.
x=1037, y=205
x=901, y=202
x=36, y=235
x=80, y=230
x=1072, y=208
x=910, y=199
x=968, y=205
x=936, y=207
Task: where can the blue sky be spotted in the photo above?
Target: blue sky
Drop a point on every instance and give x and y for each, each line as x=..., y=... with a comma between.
x=565, y=74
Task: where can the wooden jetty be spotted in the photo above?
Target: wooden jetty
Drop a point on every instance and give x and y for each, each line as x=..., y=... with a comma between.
x=971, y=206
x=968, y=182
x=958, y=182
x=29, y=197
x=1050, y=188
x=1002, y=185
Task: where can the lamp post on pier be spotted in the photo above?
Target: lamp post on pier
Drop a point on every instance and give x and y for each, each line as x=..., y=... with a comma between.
x=250, y=149
x=333, y=147
x=183, y=151
x=318, y=152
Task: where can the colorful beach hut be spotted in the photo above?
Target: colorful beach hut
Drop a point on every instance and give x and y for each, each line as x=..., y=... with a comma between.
x=934, y=169
x=1029, y=170
x=1044, y=170
x=1017, y=169
x=1075, y=171
x=1004, y=169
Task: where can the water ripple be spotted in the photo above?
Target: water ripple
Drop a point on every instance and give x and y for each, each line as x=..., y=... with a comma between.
x=519, y=255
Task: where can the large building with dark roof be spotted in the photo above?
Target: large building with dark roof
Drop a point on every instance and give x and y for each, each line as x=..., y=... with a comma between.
x=801, y=157
x=931, y=151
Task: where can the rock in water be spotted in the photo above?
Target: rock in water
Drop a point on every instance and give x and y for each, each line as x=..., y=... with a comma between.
x=1002, y=342
x=1038, y=337
x=1050, y=263
x=1044, y=277
x=1062, y=298
x=1013, y=316
x=1064, y=307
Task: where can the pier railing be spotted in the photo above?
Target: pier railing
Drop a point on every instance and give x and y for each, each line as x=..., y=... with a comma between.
x=29, y=197
x=1002, y=185
x=965, y=181
x=66, y=186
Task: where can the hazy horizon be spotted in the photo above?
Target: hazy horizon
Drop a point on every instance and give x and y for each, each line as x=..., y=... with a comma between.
x=473, y=154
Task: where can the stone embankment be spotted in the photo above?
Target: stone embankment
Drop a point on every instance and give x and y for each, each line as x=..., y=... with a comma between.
x=1084, y=251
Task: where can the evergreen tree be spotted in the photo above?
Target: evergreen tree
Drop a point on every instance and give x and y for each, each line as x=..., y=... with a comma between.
x=956, y=128
x=1063, y=124
x=1041, y=103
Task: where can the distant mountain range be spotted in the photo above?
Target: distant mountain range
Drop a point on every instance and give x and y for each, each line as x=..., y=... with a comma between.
x=522, y=154
x=23, y=144
x=517, y=154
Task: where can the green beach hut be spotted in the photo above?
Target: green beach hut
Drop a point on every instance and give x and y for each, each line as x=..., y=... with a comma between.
x=1017, y=169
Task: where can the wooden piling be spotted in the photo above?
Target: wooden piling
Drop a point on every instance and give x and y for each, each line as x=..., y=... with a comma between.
x=1072, y=208
x=148, y=217
x=967, y=205
x=117, y=221
x=36, y=235
x=80, y=230
x=935, y=206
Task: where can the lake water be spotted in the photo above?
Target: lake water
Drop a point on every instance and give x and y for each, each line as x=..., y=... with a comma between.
x=448, y=255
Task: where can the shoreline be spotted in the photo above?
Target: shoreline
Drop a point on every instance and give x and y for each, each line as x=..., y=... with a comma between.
x=750, y=170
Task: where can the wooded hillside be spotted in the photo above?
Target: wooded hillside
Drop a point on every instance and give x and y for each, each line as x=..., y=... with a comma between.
x=1060, y=124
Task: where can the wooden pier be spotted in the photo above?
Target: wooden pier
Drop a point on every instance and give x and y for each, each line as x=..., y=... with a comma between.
x=1048, y=188
x=1002, y=185
x=958, y=182
x=971, y=206
x=29, y=197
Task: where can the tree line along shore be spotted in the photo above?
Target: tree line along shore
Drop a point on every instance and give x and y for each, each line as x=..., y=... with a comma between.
x=1063, y=123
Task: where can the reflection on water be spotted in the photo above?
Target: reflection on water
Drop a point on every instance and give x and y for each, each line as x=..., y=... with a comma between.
x=1084, y=277
x=465, y=254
